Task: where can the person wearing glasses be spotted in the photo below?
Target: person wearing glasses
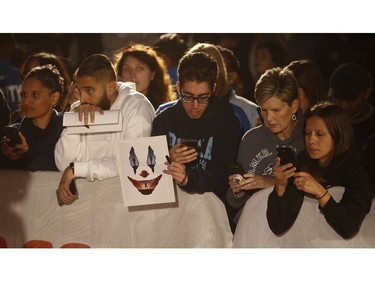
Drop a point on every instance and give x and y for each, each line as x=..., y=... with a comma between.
x=206, y=118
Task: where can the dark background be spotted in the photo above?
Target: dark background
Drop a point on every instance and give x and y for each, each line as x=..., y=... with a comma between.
x=327, y=50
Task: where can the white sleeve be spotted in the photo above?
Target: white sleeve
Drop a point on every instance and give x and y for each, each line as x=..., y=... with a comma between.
x=138, y=119
x=67, y=149
x=98, y=169
x=137, y=123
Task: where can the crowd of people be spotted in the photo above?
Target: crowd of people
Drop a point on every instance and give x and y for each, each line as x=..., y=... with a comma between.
x=197, y=92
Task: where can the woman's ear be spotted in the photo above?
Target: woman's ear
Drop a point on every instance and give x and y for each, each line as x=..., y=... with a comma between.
x=295, y=105
x=55, y=97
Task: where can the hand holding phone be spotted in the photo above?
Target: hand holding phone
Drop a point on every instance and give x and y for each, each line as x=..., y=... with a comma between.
x=12, y=134
x=72, y=188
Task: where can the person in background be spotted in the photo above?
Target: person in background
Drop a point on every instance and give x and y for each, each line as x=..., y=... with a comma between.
x=350, y=88
x=40, y=128
x=4, y=115
x=232, y=66
x=143, y=66
x=202, y=116
x=43, y=58
x=266, y=54
x=73, y=95
x=330, y=160
x=171, y=47
x=92, y=156
x=277, y=95
x=10, y=75
x=310, y=83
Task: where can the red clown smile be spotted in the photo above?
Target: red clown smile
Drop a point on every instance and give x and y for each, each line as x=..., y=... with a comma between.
x=145, y=187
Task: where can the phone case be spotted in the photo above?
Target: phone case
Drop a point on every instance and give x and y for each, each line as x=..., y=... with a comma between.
x=73, y=187
x=236, y=168
x=286, y=156
x=193, y=143
x=12, y=134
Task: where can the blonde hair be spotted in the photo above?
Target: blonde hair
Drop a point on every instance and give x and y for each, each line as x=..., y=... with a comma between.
x=222, y=86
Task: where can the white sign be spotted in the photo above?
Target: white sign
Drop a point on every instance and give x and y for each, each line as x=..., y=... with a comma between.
x=110, y=121
x=141, y=163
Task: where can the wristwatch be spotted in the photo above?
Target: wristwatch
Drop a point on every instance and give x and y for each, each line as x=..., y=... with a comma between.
x=71, y=166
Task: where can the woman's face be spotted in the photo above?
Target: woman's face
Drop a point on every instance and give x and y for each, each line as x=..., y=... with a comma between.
x=138, y=72
x=318, y=140
x=37, y=100
x=277, y=116
x=263, y=61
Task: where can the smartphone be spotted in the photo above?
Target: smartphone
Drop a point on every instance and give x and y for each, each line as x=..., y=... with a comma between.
x=286, y=155
x=236, y=169
x=12, y=133
x=192, y=143
x=73, y=187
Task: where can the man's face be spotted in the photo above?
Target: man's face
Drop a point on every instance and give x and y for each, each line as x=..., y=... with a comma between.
x=92, y=92
x=192, y=89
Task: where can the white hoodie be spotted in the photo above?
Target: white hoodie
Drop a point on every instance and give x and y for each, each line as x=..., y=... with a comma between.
x=94, y=154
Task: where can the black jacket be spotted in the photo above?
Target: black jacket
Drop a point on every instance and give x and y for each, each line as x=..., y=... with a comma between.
x=218, y=132
x=40, y=156
x=348, y=170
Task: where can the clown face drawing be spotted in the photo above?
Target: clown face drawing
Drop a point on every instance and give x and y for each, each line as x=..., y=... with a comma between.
x=145, y=181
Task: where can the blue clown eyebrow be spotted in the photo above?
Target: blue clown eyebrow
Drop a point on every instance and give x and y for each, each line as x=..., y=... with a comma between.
x=151, y=158
x=133, y=160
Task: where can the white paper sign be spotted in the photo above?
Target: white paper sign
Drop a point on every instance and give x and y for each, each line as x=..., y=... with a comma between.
x=141, y=163
x=110, y=121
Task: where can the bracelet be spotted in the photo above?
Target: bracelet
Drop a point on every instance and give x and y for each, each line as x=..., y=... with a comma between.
x=322, y=195
x=238, y=195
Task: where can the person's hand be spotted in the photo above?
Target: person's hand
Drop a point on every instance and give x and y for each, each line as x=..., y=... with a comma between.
x=234, y=182
x=249, y=181
x=306, y=182
x=14, y=152
x=86, y=110
x=65, y=195
x=282, y=173
x=182, y=154
x=177, y=171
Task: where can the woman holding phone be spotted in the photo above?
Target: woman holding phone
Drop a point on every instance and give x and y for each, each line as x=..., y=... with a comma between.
x=277, y=95
x=41, y=126
x=330, y=159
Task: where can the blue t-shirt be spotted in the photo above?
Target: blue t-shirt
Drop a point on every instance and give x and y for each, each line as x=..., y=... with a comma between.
x=10, y=83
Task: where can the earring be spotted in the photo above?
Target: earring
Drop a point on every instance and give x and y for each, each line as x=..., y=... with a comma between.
x=294, y=118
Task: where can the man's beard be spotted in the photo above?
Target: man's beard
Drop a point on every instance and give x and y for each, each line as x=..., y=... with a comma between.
x=104, y=102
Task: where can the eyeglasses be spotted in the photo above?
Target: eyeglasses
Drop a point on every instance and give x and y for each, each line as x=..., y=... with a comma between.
x=200, y=99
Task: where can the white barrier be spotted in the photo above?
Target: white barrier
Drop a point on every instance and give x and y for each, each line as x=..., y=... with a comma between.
x=29, y=210
x=310, y=229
